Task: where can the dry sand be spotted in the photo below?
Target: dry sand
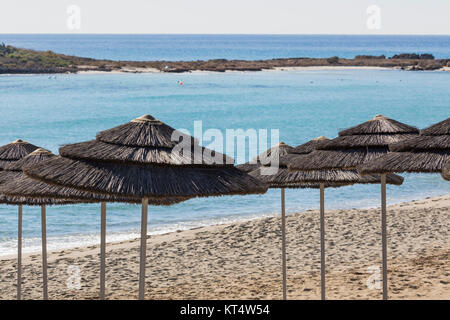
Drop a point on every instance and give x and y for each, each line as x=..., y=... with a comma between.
x=122, y=70
x=329, y=68
x=242, y=260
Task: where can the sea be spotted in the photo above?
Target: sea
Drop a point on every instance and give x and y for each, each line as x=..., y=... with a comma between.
x=53, y=110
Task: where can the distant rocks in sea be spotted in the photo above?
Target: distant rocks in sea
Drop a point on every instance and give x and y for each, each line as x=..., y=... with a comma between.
x=406, y=56
x=414, y=56
x=362, y=57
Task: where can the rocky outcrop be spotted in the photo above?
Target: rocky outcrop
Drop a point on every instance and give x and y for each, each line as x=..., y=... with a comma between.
x=414, y=56
x=364, y=57
x=15, y=60
x=333, y=60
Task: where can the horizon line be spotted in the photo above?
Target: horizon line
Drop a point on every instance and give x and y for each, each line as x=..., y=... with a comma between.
x=232, y=34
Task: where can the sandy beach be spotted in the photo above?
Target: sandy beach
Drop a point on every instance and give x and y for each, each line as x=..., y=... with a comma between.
x=242, y=260
x=277, y=69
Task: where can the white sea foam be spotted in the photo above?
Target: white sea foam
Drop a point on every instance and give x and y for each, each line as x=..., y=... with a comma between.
x=8, y=247
x=56, y=243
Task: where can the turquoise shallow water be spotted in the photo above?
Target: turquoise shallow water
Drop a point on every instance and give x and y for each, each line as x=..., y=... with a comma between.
x=51, y=111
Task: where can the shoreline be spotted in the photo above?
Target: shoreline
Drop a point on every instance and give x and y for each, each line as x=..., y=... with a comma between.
x=199, y=263
x=133, y=235
x=277, y=69
x=15, y=60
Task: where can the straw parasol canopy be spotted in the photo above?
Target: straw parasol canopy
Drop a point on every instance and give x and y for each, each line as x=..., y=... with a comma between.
x=14, y=151
x=12, y=171
x=351, y=148
x=12, y=200
x=283, y=178
x=18, y=184
x=356, y=145
x=335, y=178
x=425, y=153
x=17, y=188
x=316, y=179
x=331, y=175
x=446, y=171
x=281, y=149
x=145, y=159
x=309, y=146
x=117, y=172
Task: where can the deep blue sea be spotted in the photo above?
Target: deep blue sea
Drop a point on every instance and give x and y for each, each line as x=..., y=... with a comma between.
x=53, y=110
x=246, y=47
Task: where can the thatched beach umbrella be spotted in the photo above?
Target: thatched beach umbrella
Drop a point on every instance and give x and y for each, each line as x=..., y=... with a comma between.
x=14, y=151
x=327, y=178
x=22, y=186
x=279, y=150
x=446, y=171
x=43, y=203
x=10, y=173
x=356, y=146
x=285, y=179
x=425, y=153
x=144, y=159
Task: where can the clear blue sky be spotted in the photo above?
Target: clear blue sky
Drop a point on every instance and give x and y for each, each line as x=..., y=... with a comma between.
x=226, y=16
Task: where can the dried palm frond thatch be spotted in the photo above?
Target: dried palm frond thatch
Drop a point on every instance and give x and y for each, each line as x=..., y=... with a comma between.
x=422, y=143
x=248, y=167
x=6, y=176
x=446, y=171
x=32, y=158
x=318, y=176
x=25, y=201
x=4, y=163
x=24, y=186
x=279, y=150
x=145, y=131
x=425, y=153
x=438, y=129
x=285, y=178
x=379, y=125
x=13, y=172
x=102, y=151
x=14, y=183
x=355, y=146
x=14, y=151
x=363, y=141
x=398, y=162
x=309, y=146
x=145, y=181
x=332, y=159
